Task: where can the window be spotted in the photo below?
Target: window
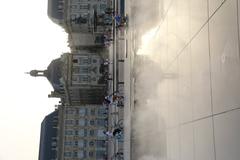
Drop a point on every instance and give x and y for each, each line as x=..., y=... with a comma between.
x=75, y=154
x=84, y=70
x=75, y=78
x=82, y=154
x=82, y=122
x=69, y=122
x=100, y=143
x=102, y=122
x=54, y=144
x=80, y=79
x=102, y=111
x=91, y=132
x=60, y=7
x=92, y=112
x=67, y=143
x=68, y=132
x=69, y=111
x=84, y=60
x=82, y=111
x=75, y=60
x=85, y=132
x=76, y=133
x=100, y=133
x=94, y=61
x=91, y=143
x=85, y=6
x=73, y=6
x=76, y=143
x=80, y=20
x=82, y=143
x=67, y=154
x=91, y=154
x=76, y=122
x=83, y=79
x=91, y=122
x=82, y=132
x=75, y=70
x=100, y=154
x=95, y=7
x=103, y=7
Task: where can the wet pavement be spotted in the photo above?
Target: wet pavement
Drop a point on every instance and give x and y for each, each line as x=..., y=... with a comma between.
x=182, y=80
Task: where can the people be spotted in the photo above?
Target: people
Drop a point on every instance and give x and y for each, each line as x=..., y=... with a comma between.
x=121, y=21
x=107, y=43
x=117, y=132
x=117, y=19
x=108, y=134
x=112, y=99
x=107, y=62
x=107, y=38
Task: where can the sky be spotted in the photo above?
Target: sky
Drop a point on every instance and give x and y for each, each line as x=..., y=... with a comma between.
x=29, y=40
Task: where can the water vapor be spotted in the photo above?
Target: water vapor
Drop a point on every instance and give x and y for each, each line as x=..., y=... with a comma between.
x=149, y=126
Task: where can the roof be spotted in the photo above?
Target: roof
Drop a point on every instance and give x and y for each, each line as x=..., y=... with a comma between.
x=55, y=10
x=48, y=137
x=54, y=73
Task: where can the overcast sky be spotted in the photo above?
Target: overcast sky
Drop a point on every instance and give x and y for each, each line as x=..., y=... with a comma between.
x=29, y=40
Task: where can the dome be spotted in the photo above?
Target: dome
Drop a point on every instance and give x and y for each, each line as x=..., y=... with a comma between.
x=54, y=73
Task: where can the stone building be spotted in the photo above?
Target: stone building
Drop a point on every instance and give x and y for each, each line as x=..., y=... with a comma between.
x=76, y=78
x=74, y=132
x=86, y=16
x=81, y=117
x=48, y=138
x=80, y=132
x=79, y=41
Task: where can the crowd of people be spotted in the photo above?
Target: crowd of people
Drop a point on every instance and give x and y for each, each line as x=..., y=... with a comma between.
x=112, y=100
x=111, y=17
x=114, y=21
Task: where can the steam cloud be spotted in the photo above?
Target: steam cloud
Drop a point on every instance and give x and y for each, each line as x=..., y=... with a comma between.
x=149, y=137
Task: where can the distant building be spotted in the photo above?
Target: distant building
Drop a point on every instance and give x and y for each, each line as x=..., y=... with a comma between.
x=48, y=138
x=78, y=41
x=74, y=132
x=77, y=78
x=80, y=130
x=86, y=16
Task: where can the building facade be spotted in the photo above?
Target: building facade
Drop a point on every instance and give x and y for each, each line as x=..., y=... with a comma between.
x=79, y=80
x=76, y=78
x=81, y=118
x=48, y=138
x=81, y=132
x=78, y=41
x=85, y=16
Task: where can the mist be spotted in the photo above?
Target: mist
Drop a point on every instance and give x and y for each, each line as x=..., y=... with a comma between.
x=149, y=126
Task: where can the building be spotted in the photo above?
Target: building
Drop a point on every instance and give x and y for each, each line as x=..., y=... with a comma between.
x=80, y=131
x=84, y=20
x=76, y=78
x=74, y=132
x=86, y=16
x=79, y=80
x=78, y=41
x=48, y=139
